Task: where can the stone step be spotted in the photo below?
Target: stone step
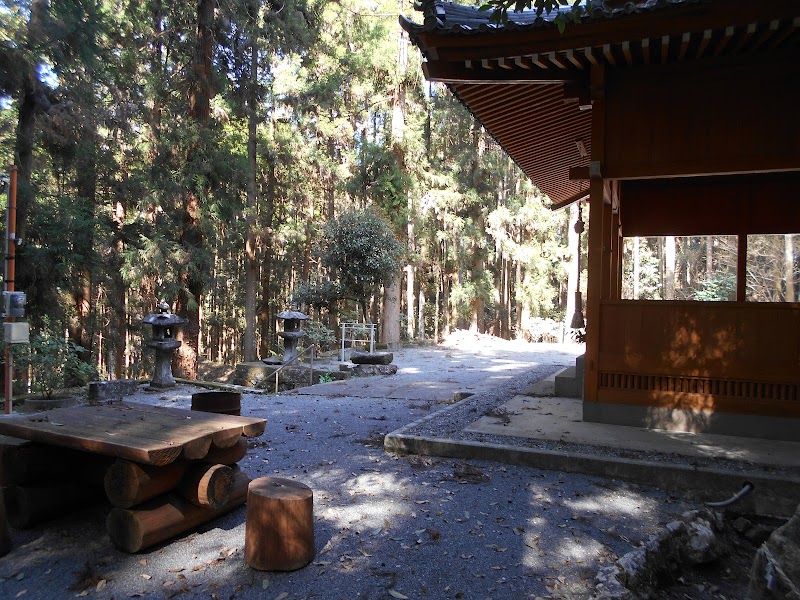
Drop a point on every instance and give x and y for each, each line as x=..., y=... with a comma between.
x=567, y=384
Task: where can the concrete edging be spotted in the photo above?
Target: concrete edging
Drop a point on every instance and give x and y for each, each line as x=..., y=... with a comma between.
x=774, y=496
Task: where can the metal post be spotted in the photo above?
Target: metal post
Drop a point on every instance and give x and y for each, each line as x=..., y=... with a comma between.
x=311, y=382
x=11, y=248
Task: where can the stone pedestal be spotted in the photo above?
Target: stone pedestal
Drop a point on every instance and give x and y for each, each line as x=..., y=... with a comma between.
x=162, y=371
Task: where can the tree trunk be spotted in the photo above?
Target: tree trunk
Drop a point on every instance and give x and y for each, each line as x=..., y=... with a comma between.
x=410, y=313
x=190, y=295
x=264, y=314
x=390, y=329
x=421, y=312
x=669, y=268
x=636, y=267
x=251, y=260
x=788, y=267
x=26, y=124
x=572, y=266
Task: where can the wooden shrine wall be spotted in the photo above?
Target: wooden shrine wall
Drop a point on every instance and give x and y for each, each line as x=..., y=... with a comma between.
x=724, y=356
x=767, y=203
x=715, y=117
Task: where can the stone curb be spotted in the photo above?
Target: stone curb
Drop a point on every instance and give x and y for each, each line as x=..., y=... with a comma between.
x=773, y=495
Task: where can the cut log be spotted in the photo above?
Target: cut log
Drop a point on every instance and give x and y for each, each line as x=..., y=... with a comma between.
x=5, y=536
x=128, y=484
x=12, y=453
x=279, y=528
x=207, y=485
x=225, y=403
x=27, y=506
x=23, y=462
x=227, y=456
x=132, y=530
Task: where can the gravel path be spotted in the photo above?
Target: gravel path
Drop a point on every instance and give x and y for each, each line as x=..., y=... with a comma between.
x=386, y=526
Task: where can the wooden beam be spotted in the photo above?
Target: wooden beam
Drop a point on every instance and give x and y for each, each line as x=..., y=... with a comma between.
x=726, y=38
x=707, y=34
x=646, y=50
x=664, y=48
x=751, y=29
x=579, y=173
x=578, y=197
x=777, y=41
x=577, y=92
x=608, y=54
x=685, y=39
x=522, y=62
x=536, y=61
x=573, y=59
x=590, y=56
x=462, y=73
x=556, y=60
x=626, y=52
x=768, y=33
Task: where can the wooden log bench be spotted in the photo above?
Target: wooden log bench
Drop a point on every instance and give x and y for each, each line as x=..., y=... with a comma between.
x=174, y=470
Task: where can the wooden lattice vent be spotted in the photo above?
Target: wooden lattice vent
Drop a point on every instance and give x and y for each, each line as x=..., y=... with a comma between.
x=719, y=388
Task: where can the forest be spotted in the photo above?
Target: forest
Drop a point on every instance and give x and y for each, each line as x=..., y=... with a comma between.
x=222, y=155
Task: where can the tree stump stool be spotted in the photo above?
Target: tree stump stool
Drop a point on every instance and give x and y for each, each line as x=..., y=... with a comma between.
x=279, y=526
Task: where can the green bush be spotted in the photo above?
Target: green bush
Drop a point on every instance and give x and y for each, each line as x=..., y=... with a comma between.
x=319, y=334
x=53, y=362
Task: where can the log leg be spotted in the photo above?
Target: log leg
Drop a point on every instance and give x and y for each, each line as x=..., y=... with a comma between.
x=128, y=484
x=208, y=486
x=5, y=535
x=227, y=456
x=279, y=527
x=135, y=529
x=26, y=505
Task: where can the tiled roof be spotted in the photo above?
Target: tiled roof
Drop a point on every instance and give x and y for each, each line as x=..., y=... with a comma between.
x=527, y=83
x=453, y=17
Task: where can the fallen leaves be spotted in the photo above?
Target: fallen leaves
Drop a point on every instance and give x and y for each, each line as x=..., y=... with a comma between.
x=466, y=473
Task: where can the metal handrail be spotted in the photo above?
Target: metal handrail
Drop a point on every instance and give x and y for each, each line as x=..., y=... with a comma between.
x=286, y=364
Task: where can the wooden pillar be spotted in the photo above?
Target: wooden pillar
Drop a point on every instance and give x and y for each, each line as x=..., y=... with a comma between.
x=597, y=283
x=616, y=243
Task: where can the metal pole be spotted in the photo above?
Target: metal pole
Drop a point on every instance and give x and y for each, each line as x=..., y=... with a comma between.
x=11, y=248
x=311, y=382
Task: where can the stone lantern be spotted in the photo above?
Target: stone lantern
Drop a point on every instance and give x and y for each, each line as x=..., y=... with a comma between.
x=292, y=333
x=164, y=343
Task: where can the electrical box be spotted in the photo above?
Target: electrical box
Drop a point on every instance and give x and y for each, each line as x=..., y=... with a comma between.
x=14, y=304
x=16, y=333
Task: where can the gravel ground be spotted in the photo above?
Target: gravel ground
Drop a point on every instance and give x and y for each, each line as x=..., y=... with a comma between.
x=386, y=526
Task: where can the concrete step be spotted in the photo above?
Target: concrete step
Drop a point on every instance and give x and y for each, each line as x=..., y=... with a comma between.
x=567, y=384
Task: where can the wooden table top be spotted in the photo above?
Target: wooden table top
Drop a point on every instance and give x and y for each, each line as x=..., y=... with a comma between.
x=142, y=433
